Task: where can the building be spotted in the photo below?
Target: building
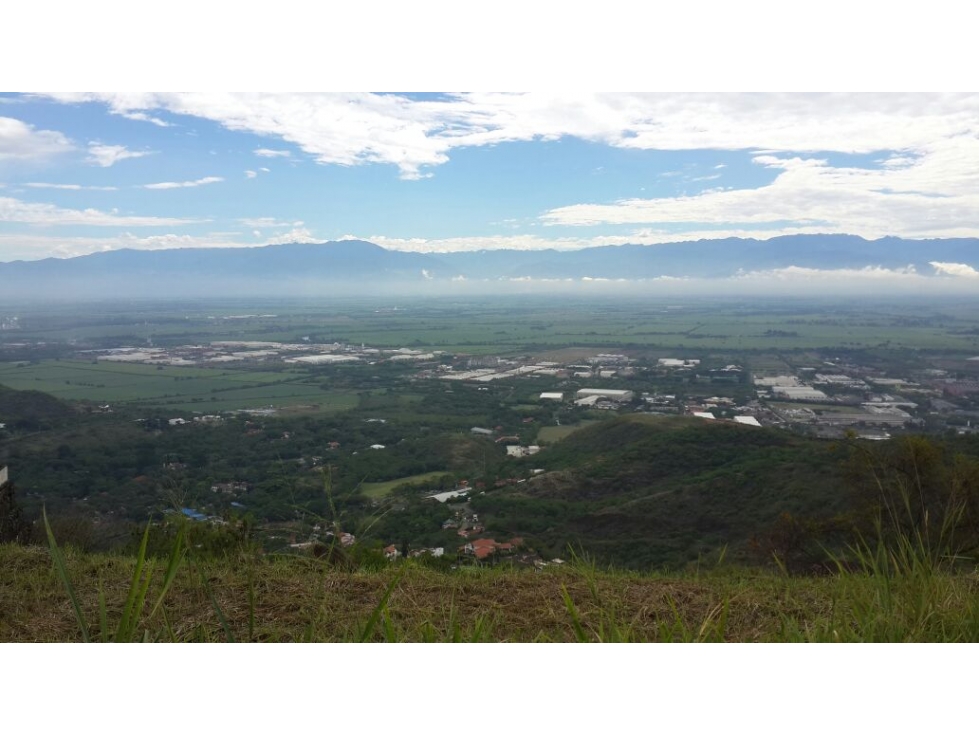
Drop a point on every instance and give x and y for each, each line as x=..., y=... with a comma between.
x=622, y=396
x=798, y=393
x=480, y=431
x=520, y=451
x=552, y=396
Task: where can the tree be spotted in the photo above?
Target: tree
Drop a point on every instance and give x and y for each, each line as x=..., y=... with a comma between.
x=13, y=527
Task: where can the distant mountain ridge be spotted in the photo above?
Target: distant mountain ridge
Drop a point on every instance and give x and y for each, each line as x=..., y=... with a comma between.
x=358, y=265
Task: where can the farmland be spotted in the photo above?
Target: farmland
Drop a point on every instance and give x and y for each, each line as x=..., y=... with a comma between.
x=536, y=325
x=179, y=388
x=376, y=490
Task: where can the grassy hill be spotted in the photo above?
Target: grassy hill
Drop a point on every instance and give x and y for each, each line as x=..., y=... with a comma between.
x=277, y=599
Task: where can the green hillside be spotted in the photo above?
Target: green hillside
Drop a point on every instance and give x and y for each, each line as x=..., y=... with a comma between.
x=31, y=410
x=642, y=491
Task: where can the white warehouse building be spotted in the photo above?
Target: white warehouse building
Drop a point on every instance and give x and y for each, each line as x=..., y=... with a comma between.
x=622, y=396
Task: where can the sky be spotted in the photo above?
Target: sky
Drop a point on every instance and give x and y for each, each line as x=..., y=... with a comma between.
x=88, y=172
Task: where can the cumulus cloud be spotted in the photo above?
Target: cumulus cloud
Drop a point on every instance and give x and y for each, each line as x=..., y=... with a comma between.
x=21, y=142
x=184, y=184
x=108, y=155
x=935, y=195
x=70, y=187
x=250, y=174
x=959, y=270
x=352, y=129
x=15, y=210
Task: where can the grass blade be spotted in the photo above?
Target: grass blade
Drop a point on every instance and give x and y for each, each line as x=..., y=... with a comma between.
x=379, y=609
x=228, y=634
x=137, y=591
x=173, y=565
x=579, y=631
x=59, y=565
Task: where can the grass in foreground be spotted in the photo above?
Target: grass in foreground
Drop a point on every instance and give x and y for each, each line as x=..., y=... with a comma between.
x=289, y=598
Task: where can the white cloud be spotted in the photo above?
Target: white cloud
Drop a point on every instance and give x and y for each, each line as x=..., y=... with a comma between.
x=70, y=187
x=268, y=153
x=959, y=270
x=20, y=141
x=108, y=155
x=143, y=117
x=300, y=234
x=14, y=210
x=646, y=236
x=266, y=222
x=795, y=272
x=936, y=194
x=250, y=174
x=352, y=129
x=14, y=246
x=265, y=170
x=184, y=184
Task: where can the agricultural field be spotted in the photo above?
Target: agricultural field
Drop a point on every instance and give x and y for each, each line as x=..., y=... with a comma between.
x=376, y=490
x=179, y=388
x=553, y=434
x=541, y=326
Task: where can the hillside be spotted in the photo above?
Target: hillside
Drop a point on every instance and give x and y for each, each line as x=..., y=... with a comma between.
x=31, y=410
x=641, y=491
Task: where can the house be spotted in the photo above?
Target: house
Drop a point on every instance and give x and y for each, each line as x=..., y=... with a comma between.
x=391, y=552
x=485, y=547
x=377, y=446
x=480, y=431
x=176, y=421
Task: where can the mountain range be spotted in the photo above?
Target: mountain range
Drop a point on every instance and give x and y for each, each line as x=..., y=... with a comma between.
x=356, y=266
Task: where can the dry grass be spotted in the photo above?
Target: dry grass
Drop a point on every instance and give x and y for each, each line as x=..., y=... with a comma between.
x=301, y=599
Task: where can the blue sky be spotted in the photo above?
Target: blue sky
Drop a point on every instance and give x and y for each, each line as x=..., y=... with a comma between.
x=82, y=173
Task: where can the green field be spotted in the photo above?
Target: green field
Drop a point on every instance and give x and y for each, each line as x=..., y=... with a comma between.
x=179, y=388
x=553, y=434
x=531, y=325
x=376, y=490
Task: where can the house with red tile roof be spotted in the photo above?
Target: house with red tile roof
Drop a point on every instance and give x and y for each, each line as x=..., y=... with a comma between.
x=484, y=547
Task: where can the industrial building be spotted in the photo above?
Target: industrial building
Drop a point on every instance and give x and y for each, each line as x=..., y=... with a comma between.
x=622, y=396
x=552, y=396
x=799, y=393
